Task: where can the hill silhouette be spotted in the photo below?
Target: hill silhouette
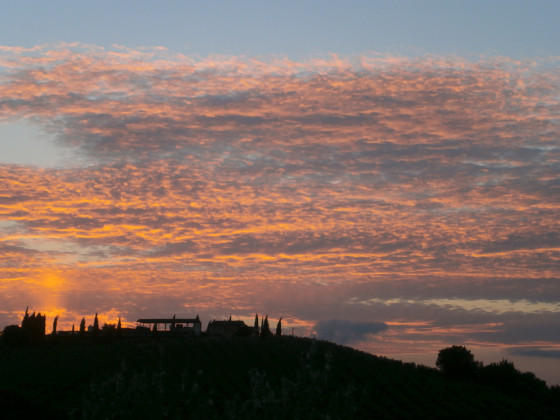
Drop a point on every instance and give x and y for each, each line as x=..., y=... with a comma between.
x=273, y=378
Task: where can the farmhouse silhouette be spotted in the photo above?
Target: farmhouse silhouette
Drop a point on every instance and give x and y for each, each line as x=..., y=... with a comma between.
x=33, y=329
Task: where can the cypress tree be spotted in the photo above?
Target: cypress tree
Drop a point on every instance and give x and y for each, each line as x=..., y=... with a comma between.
x=24, y=322
x=25, y=325
x=265, y=329
x=83, y=327
x=256, y=326
x=119, y=327
x=42, y=324
x=95, y=331
x=54, y=325
x=33, y=328
x=279, y=327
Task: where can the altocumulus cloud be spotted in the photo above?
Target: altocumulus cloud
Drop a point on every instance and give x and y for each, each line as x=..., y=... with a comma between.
x=345, y=332
x=424, y=188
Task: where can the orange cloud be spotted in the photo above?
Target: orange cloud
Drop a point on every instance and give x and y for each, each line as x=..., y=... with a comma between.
x=236, y=183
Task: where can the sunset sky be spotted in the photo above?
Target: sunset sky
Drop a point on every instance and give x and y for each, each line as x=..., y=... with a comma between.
x=382, y=174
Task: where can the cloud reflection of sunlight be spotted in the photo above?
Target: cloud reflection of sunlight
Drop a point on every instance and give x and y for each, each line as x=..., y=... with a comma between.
x=499, y=306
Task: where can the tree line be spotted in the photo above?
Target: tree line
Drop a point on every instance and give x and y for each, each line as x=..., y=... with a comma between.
x=33, y=329
x=265, y=326
x=458, y=363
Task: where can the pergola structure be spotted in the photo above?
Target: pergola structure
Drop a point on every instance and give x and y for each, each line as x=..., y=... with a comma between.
x=172, y=324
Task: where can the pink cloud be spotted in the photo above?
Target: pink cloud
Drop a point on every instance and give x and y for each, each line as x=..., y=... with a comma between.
x=261, y=185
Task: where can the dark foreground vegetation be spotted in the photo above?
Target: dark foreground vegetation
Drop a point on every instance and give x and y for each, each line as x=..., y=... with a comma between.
x=246, y=378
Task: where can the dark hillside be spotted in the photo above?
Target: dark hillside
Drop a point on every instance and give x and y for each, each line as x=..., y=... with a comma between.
x=238, y=378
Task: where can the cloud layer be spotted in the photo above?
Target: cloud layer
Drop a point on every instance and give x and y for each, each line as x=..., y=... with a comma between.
x=347, y=332
x=230, y=184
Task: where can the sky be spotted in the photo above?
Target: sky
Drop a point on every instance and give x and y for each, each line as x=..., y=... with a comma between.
x=381, y=174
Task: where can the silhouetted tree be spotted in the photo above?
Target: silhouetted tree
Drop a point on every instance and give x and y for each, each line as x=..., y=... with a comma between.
x=95, y=330
x=73, y=328
x=55, y=322
x=279, y=327
x=109, y=330
x=33, y=326
x=505, y=376
x=256, y=326
x=265, y=330
x=457, y=362
x=83, y=327
x=13, y=335
x=25, y=317
x=41, y=322
x=119, y=326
